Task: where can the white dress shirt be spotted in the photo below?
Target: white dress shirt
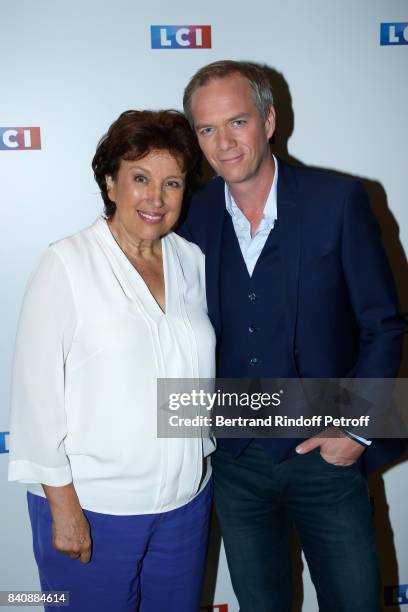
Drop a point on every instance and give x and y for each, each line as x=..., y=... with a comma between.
x=91, y=343
x=251, y=246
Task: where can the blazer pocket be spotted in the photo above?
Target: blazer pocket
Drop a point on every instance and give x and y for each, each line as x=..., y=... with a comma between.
x=321, y=256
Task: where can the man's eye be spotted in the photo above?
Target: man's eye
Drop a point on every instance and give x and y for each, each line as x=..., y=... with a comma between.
x=205, y=131
x=239, y=122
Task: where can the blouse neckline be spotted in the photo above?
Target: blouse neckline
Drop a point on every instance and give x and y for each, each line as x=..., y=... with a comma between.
x=136, y=278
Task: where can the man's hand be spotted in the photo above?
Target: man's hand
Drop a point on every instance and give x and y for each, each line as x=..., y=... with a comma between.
x=71, y=533
x=342, y=451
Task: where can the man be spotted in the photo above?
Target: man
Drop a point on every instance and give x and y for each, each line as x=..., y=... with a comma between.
x=298, y=285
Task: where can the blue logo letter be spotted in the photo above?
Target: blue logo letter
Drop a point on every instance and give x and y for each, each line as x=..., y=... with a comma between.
x=394, y=34
x=395, y=595
x=4, y=441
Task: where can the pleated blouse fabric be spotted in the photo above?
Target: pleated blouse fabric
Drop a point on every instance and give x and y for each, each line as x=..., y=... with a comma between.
x=91, y=343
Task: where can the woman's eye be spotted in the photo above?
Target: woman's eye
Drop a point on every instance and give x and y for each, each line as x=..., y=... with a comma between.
x=174, y=184
x=140, y=178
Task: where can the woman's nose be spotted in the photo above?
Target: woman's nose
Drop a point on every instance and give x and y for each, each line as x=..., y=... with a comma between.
x=155, y=195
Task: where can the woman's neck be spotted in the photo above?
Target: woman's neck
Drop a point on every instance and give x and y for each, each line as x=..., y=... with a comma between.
x=132, y=246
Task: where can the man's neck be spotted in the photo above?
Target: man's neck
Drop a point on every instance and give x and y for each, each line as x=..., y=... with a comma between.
x=250, y=196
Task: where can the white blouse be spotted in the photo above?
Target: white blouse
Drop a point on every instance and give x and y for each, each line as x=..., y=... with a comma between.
x=91, y=343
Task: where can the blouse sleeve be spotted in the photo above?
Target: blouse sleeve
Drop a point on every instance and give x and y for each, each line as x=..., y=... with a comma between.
x=38, y=420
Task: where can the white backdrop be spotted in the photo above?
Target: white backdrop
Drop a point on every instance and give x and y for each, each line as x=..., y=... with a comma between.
x=71, y=67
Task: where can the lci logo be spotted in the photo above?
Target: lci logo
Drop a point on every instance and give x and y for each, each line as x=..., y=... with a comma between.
x=4, y=441
x=20, y=138
x=181, y=37
x=394, y=34
x=396, y=595
x=217, y=608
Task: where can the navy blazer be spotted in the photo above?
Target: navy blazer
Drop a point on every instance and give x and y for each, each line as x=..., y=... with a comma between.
x=342, y=306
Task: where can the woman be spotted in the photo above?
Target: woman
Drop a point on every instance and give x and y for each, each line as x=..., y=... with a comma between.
x=107, y=312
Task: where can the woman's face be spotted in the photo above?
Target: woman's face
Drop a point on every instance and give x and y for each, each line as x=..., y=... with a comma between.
x=148, y=194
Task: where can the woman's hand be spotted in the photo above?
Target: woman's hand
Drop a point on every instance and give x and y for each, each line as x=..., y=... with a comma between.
x=71, y=533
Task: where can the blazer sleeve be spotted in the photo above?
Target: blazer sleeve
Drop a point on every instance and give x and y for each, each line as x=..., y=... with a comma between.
x=375, y=303
x=194, y=225
x=372, y=290
x=184, y=231
x=38, y=421
x=187, y=227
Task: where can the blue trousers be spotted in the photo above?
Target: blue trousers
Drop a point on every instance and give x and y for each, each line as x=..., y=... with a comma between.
x=143, y=563
x=258, y=501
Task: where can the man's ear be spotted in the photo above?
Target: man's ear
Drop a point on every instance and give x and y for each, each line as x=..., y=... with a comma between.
x=270, y=122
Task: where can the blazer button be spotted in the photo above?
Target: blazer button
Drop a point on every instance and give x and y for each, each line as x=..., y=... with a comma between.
x=252, y=296
x=254, y=361
x=252, y=329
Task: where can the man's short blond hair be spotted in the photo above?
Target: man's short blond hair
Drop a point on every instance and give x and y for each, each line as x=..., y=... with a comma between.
x=255, y=75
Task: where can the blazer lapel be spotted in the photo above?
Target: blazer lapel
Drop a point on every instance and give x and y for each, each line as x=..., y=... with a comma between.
x=289, y=223
x=215, y=223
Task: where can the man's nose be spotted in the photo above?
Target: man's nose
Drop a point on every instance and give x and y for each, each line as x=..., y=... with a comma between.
x=225, y=139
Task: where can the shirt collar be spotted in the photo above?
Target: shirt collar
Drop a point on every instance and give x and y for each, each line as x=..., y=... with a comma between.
x=271, y=204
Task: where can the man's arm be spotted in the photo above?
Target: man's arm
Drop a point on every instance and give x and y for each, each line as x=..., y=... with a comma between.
x=372, y=290
x=184, y=231
x=375, y=303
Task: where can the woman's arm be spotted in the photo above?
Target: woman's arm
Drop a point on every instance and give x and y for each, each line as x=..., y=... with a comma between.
x=38, y=418
x=38, y=426
x=70, y=528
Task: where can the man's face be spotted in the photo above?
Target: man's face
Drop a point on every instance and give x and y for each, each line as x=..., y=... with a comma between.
x=230, y=129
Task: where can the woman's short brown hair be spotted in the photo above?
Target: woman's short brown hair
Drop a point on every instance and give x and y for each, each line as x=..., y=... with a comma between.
x=134, y=135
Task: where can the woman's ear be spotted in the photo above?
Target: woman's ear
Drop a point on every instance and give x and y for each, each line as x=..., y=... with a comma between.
x=110, y=187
